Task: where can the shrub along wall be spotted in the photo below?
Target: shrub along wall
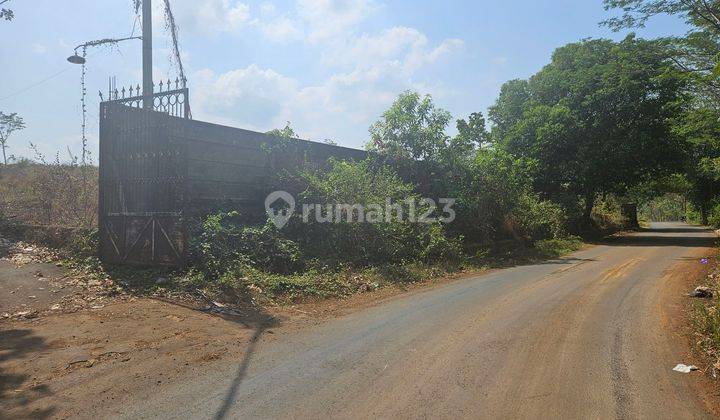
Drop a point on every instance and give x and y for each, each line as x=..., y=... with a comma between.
x=227, y=247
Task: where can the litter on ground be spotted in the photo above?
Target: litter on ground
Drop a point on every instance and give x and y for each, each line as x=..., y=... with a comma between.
x=684, y=368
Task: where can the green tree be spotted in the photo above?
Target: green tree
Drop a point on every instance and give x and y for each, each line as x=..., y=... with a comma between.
x=595, y=119
x=472, y=133
x=696, y=57
x=285, y=132
x=9, y=123
x=699, y=126
x=695, y=54
x=509, y=107
x=412, y=128
x=412, y=135
x=6, y=13
x=704, y=14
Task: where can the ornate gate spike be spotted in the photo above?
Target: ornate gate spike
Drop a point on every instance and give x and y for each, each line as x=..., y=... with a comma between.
x=166, y=99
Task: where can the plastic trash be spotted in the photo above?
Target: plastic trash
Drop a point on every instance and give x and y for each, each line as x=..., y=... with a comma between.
x=684, y=368
x=702, y=292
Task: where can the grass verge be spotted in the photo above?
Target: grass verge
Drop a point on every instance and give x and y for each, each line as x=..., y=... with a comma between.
x=243, y=284
x=705, y=315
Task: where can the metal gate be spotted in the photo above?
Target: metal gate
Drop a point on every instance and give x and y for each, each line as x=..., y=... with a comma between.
x=141, y=187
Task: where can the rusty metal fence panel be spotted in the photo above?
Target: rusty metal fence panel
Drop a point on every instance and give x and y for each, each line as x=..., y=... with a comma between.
x=141, y=188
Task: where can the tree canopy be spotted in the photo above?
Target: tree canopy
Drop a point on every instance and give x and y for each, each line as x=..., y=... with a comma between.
x=6, y=13
x=704, y=14
x=696, y=58
x=595, y=119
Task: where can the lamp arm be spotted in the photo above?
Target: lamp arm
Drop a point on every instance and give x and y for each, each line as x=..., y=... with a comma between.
x=104, y=41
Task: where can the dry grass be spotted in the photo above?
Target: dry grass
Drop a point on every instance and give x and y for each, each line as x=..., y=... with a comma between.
x=50, y=194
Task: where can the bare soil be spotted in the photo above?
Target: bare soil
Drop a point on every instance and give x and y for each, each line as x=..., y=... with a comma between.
x=64, y=338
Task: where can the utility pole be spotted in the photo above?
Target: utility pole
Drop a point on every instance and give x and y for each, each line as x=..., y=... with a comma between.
x=147, y=54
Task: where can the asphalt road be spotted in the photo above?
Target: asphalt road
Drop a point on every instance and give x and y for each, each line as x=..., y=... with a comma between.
x=586, y=336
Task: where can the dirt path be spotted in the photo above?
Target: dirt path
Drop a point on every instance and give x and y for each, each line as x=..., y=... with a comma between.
x=591, y=335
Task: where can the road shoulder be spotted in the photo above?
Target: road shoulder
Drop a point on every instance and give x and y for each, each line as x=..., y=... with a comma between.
x=676, y=313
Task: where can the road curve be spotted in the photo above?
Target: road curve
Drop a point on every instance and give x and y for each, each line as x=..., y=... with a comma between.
x=584, y=336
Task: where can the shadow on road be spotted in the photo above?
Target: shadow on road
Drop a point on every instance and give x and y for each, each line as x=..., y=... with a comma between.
x=14, y=397
x=681, y=241
x=260, y=321
x=681, y=237
x=678, y=236
x=568, y=261
x=688, y=229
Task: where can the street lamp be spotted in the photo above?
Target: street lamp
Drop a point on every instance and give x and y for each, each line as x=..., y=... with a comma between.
x=146, y=50
x=76, y=59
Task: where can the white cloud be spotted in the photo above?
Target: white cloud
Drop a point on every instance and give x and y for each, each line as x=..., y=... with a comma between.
x=38, y=48
x=406, y=48
x=251, y=97
x=370, y=70
x=267, y=8
x=499, y=61
x=207, y=16
x=341, y=107
x=318, y=21
x=327, y=19
x=281, y=29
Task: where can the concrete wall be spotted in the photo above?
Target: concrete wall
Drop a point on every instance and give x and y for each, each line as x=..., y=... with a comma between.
x=156, y=170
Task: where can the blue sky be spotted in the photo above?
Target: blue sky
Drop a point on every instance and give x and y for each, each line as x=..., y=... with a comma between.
x=331, y=67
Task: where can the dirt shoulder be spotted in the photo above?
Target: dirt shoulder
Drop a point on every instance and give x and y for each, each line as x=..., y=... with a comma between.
x=66, y=341
x=677, y=317
x=55, y=362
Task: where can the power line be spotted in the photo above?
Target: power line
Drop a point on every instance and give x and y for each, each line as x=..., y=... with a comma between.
x=25, y=89
x=36, y=84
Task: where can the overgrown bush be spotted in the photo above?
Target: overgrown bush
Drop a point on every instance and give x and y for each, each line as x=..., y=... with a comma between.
x=83, y=243
x=225, y=242
x=539, y=219
x=714, y=216
x=496, y=202
x=228, y=249
x=607, y=213
x=438, y=246
x=4, y=221
x=693, y=215
x=381, y=193
x=550, y=248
